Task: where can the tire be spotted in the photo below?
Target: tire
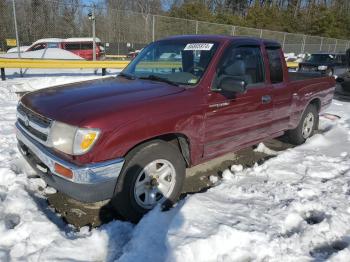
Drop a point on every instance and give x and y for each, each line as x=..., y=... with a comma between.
x=329, y=72
x=305, y=129
x=143, y=163
x=346, y=85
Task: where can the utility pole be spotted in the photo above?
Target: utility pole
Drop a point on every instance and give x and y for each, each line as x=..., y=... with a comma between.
x=16, y=30
x=153, y=27
x=93, y=20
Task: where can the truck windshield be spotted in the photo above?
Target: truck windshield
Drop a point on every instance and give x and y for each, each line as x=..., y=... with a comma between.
x=177, y=62
x=320, y=58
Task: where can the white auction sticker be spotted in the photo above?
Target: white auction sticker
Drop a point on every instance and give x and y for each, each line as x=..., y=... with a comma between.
x=198, y=46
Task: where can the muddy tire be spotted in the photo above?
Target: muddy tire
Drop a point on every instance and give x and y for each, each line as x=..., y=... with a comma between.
x=306, y=127
x=153, y=174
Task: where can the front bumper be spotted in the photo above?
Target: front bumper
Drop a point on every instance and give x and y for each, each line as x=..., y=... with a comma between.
x=90, y=183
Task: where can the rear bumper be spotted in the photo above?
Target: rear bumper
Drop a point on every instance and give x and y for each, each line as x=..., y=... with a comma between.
x=90, y=183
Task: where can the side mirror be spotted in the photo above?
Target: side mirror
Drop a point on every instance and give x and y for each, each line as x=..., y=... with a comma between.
x=232, y=85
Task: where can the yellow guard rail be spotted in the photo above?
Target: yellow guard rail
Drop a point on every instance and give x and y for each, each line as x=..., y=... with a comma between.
x=58, y=64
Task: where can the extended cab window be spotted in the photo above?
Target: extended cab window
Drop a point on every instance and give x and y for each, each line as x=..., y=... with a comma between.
x=242, y=63
x=275, y=63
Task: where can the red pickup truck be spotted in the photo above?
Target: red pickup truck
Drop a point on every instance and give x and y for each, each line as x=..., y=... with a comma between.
x=131, y=137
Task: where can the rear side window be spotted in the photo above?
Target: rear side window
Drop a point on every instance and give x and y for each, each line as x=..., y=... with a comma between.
x=72, y=46
x=242, y=63
x=86, y=46
x=275, y=64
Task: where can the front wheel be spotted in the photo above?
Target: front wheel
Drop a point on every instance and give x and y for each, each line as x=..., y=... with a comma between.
x=306, y=127
x=153, y=174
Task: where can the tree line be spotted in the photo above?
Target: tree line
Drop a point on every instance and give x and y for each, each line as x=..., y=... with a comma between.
x=327, y=18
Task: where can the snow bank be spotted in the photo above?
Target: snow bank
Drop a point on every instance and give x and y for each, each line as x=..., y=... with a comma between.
x=49, y=53
x=294, y=207
x=29, y=229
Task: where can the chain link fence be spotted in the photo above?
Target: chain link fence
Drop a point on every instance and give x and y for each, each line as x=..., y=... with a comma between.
x=125, y=31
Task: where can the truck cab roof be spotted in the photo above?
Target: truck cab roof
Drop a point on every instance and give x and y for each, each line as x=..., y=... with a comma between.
x=223, y=38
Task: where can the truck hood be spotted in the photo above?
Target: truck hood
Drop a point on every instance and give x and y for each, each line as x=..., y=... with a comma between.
x=78, y=102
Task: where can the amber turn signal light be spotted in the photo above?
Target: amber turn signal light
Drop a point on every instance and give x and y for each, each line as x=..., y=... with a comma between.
x=66, y=172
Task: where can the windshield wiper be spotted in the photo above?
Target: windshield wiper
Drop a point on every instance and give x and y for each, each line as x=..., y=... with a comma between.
x=128, y=76
x=160, y=79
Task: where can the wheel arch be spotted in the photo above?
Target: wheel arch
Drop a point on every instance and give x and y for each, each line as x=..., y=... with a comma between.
x=316, y=102
x=181, y=141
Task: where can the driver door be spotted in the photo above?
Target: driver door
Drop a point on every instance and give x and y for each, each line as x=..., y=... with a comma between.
x=235, y=120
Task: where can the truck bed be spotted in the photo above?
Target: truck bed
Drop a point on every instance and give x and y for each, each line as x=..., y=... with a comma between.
x=297, y=76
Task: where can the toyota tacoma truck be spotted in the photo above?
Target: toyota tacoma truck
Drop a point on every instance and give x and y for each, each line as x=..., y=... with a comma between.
x=130, y=138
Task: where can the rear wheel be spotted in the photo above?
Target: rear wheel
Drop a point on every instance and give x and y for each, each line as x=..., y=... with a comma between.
x=329, y=72
x=306, y=127
x=153, y=174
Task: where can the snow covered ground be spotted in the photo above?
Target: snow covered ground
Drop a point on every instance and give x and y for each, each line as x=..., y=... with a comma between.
x=294, y=207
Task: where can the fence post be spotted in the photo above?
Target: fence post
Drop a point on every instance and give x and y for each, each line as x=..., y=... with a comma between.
x=321, y=45
x=16, y=31
x=197, y=27
x=335, y=46
x=261, y=33
x=303, y=45
x=3, y=77
x=284, y=40
x=93, y=20
x=153, y=26
x=233, y=30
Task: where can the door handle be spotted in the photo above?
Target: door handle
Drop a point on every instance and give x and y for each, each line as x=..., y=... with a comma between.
x=266, y=99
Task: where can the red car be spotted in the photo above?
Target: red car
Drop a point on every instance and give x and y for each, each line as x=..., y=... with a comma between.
x=130, y=138
x=81, y=46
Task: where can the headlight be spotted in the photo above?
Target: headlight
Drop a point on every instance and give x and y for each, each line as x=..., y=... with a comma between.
x=322, y=67
x=72, y=140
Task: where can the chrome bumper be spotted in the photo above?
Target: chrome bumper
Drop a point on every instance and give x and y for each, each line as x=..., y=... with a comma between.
x=88, y=174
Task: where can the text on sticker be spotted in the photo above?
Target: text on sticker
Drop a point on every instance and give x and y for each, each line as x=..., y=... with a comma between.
x=198, y=46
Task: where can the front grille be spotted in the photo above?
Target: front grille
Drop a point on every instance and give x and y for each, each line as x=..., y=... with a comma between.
x=34, y=117
x=33, y=131
x=34, y=124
